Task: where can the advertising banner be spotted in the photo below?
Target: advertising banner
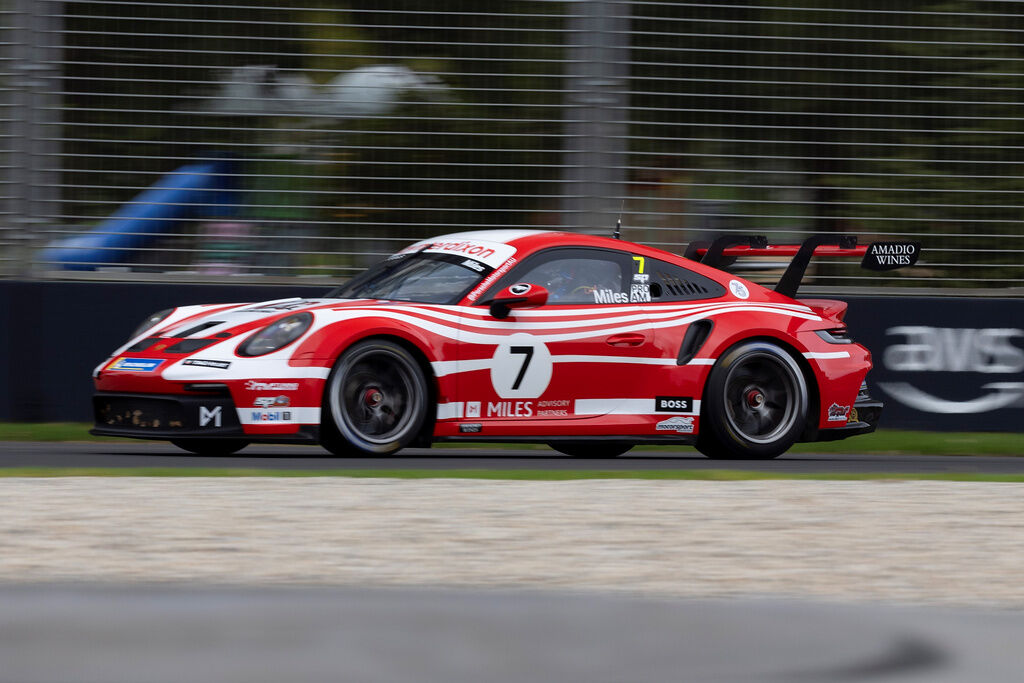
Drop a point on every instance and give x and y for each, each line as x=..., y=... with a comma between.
x=944, y=364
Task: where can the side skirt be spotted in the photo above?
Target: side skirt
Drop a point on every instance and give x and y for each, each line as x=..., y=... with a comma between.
x=649, y=440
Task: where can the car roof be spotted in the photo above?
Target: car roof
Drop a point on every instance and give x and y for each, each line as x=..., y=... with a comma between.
x=529, y=241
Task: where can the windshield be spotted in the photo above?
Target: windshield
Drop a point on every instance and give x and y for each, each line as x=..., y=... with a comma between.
x=421, y=277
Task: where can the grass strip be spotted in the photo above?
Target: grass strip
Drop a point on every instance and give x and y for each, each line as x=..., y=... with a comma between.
x=48, y=431
x=505, y=475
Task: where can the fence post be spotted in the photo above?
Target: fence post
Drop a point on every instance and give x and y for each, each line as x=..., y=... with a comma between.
x=596, y=119
x=35, y=112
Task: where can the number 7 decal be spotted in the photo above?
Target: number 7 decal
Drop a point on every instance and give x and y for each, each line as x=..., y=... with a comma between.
x=526, y=351
x=521, y=367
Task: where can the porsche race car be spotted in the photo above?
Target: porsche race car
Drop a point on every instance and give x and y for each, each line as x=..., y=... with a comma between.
x=589, y=344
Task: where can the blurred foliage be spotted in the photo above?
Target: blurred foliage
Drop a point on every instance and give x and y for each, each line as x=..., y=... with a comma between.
x=746, y=116
x=856, y=120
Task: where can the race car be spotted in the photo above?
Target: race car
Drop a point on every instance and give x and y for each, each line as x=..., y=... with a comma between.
x=589, y=344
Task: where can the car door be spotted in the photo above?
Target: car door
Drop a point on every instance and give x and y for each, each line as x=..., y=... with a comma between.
x=568, y=359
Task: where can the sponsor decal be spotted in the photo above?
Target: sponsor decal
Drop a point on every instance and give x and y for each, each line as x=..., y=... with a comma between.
x=472, y=408
x=738, y=289
x=253, y=385
x=271, y=416
x=641, y=278
x=464, y=247
x=890, y=255
x=838, y=413
x=853, y=415
x=135, y=364
x=471, y=428
x=272, y=402
x=482, y=287
x=473, y=265
x=673, y=404
x=987, y=351
x=219, y=364
x=519, y=288
x=208, y=415
x=610, y=296
x=639, y=294
x=510, y=409
x=488, y=253
x=678, y=424
x=553, y=408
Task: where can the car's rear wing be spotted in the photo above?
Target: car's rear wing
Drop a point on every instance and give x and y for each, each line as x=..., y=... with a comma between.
x=875, y=256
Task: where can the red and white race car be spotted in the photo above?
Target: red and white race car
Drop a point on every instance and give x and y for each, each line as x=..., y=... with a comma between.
x=586, y=343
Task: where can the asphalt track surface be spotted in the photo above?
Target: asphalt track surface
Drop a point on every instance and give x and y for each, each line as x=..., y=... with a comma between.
x=158, y=634
x=164, y=455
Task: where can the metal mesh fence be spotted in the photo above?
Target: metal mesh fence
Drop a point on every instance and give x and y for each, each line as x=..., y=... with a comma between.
x=255, y=140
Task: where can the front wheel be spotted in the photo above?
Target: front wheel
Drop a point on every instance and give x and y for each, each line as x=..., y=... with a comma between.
x=210, y=447
x=755, y=403
x=375, y=401
x=591, y=449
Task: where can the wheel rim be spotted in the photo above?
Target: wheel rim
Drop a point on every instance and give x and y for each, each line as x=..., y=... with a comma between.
x=375, y=396
x=762, y=397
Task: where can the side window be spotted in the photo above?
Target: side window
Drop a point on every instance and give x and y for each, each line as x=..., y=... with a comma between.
x=575, y=276
x=675, y=283
x=576, y=280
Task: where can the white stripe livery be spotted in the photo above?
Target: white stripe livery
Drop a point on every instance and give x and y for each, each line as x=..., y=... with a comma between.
x=825, y=355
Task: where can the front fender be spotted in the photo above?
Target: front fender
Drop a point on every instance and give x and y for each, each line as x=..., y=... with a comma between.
x=325, y=344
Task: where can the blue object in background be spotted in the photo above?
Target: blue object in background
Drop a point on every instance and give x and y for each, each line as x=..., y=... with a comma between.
x=192, y=191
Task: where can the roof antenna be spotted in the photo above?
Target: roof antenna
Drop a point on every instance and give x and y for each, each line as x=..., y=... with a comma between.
x=618, y=224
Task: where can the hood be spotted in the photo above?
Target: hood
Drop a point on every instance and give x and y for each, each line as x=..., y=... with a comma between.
x=214, y=331
x=200, y=322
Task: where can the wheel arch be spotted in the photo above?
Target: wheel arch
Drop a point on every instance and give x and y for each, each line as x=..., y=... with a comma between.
x=810, y=379
x=426, y=435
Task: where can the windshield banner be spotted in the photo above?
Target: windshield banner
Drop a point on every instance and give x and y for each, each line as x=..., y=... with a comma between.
x=492, y=254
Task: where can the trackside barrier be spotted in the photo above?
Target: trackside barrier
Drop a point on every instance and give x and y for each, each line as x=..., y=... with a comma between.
x=55, y=333
x=944, y=364
x=940, y=364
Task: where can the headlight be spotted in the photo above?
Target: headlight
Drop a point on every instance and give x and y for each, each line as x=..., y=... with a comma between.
x=151, y=322
x=277, y=335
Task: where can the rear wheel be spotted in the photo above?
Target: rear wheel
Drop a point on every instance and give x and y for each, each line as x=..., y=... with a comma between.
x=591, y=449
x=755, y=403
x=375, y=402
x=210, y=447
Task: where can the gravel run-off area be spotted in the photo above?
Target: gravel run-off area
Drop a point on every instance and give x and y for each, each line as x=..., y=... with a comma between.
x=904, y=541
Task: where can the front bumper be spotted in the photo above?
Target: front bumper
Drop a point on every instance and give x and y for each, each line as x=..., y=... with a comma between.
x=179, y=416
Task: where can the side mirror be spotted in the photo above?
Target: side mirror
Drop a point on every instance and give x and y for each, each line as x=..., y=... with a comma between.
x=519, y=295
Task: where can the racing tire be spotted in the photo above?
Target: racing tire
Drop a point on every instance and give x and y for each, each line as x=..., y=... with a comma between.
x=755, y=403
x=591, y=449
x=375, y=402
x=211, y=447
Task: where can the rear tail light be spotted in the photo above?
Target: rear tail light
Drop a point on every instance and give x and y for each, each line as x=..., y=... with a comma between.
x=836, y=335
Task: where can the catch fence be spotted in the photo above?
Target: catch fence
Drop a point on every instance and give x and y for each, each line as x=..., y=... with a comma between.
x=256, y=141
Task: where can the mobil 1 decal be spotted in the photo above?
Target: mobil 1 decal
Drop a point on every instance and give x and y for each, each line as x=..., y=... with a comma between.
x=521, y=367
